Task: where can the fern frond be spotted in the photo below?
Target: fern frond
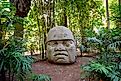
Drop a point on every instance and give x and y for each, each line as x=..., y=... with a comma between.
x=41, y=77
x=94, y=40
x=115, y=45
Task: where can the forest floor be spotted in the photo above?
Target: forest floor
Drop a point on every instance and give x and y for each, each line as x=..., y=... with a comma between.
x=70, y=72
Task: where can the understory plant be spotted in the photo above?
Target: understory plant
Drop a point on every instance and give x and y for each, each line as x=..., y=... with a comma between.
x=13, y=62
x=14, y=65
x=107, y=65
x=40, y=77
x=104, y=40
x=104, y=69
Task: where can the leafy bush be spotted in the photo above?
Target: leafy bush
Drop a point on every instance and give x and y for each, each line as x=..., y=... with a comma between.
x=14, y=65
x=115, y=10
x=13, y=61
x=105, y=40
x=106, y=69
x=107, y=66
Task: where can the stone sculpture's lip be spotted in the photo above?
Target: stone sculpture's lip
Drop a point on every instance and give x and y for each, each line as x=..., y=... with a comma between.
x=60, y=59
x=57, y=54
x=60, y=56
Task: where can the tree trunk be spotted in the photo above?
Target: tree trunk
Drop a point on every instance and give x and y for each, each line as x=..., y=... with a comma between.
x=107, y=14
x=22, y=9
x=64, y=14
x=0, y=32
x=53, y=22
x=120, y=7
x=65, y=18
x=120, y=13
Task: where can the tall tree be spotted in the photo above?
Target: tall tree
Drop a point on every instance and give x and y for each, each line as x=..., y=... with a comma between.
x=22, y=9
x=107, y=14
x=64, y=13
x=120, y=13
x=120, y=7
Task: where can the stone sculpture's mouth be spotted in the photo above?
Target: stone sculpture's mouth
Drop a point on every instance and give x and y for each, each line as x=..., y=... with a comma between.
x=59, y=54
x=61, y=57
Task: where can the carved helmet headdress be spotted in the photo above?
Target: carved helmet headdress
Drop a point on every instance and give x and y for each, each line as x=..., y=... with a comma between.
x=59, y=33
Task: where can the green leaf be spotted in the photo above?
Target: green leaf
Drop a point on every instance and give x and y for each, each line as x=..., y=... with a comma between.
x=120, y=65
x=41, y=77
x=1, y=64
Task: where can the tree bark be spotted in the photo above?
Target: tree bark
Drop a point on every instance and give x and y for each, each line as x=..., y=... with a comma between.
x=0, y=32
x=64, y=14
x=22, y=9
x=65, y=18
x=53, y=23
x=120, y=7
x=107, y=14
x=120, y=13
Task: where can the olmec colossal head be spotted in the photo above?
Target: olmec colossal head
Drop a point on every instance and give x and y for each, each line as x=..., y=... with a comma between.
x=61, y=45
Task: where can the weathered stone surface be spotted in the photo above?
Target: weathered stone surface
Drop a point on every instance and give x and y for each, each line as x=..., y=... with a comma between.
x=61, y=46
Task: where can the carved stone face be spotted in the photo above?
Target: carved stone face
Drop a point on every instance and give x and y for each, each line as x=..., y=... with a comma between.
x=61, y=49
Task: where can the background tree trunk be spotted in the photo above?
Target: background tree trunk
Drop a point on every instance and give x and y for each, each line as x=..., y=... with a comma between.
x=107, y=14
x=120, y=7
x=120, y=13
x=53, y=22
x=65, y=18
x=0, y=32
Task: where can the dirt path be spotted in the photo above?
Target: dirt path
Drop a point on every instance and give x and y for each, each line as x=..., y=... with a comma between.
x=61, y=72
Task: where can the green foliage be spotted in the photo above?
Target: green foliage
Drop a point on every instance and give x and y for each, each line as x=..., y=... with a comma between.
x=106, y=69
x=115, y=10
x=13, y=62
x=41, y=77
x=97, y=67
x=7, y=18
x=107, y=65
x=105, y=40
x=82, y=16
x=12, y=59
x=33, y=26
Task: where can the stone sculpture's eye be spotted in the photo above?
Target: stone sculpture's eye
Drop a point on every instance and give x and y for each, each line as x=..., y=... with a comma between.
x=66, y=43
x=71, y=42
x=52, y=43
x=55, y=43
x=48, y=43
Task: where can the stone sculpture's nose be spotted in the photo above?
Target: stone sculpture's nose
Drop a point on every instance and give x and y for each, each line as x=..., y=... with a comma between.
x=60, y=47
